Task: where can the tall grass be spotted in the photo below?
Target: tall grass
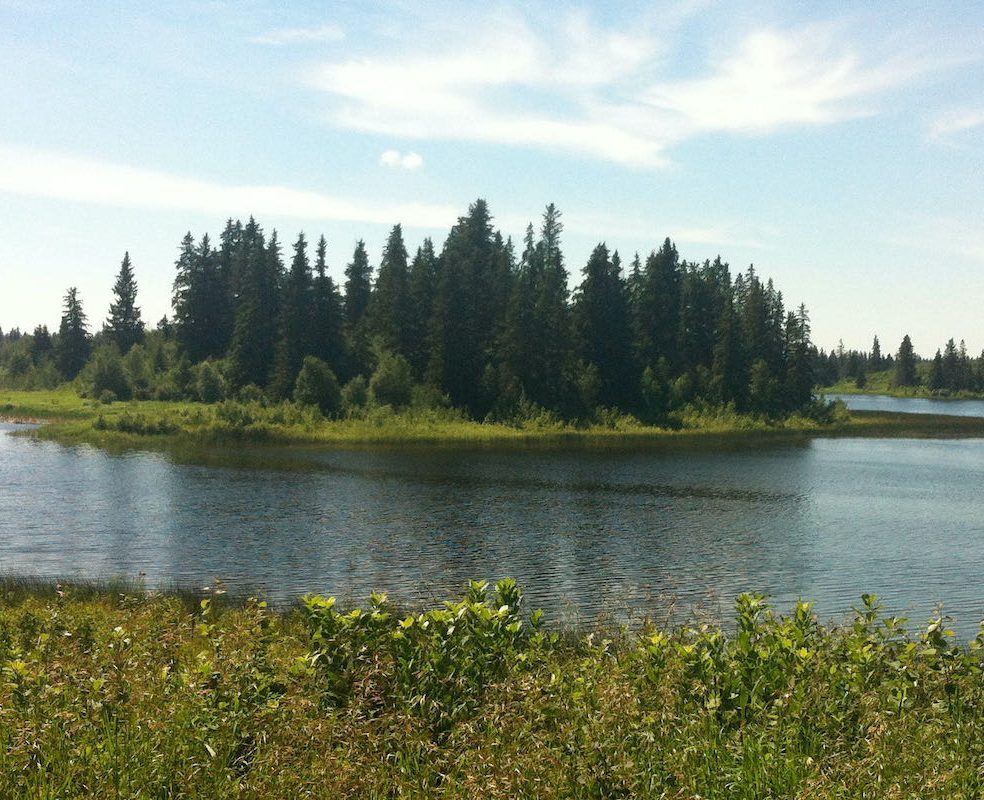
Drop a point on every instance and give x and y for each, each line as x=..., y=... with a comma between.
x=149, y=424
x=126, y=695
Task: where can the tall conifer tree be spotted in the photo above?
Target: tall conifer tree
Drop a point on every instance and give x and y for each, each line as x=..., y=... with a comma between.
x=124, y=325
x=73, y=336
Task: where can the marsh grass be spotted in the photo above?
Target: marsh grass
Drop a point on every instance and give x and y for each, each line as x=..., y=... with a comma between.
x=117, y=693
x=161, y=425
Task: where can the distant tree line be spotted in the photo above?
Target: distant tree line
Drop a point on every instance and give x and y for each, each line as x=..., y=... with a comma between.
x=950, y=370
x=483, y=324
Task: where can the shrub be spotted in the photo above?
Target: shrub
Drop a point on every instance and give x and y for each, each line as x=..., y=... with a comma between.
x=392, y=382
x=355, y=394
x=317, y=386
x=209, y=383
x=105, y=372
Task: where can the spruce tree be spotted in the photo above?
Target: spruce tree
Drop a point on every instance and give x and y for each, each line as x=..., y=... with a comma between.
x=601, y=324
x=657, y=308
x=124, y=325
x=951, y=366
x=73, y=336
x=422, y=287
x=463, y=325
x=296, y=319
x=389, y=309
x=875, y=358
x=936, y=379
x=254, y=338
x=905, y=364
x=799, y=378
x=358, y=285
x=358, y=294
x=328, y=325
x=551, y=317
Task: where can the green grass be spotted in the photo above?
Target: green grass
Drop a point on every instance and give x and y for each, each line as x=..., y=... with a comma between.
x=883, y=383
x=157, y=424
x=124, y=695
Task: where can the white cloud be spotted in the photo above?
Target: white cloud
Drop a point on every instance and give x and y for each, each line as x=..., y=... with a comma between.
x=957, y=121
x=42, y=173
x=394, y=158
x=576, y=87
x=282, y=36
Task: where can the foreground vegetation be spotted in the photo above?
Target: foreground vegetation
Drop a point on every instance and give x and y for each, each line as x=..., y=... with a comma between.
x=120, y=694
x=154, y=424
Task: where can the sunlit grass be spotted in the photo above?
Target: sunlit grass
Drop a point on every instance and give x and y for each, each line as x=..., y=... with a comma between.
x=142, y=424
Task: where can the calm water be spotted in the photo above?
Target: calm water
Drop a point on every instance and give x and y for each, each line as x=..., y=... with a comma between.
x=583, y=532
x=911, y=405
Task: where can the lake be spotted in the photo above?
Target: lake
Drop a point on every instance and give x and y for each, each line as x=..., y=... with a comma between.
x=911, y=405
x=587, y=533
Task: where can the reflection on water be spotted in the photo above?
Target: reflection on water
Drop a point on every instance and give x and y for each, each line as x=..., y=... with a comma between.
x=585, y=532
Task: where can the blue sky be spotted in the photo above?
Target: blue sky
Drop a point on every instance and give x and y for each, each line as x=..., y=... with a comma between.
x=838, y=147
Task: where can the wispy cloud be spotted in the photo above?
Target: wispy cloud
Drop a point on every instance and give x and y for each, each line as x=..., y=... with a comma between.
x=956, y=121
x=579, y=87
x=42, y=173
x=394, y=158
x=283, y=36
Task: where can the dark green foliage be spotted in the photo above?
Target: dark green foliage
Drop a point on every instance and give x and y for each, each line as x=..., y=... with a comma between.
x=124, y=325
x=358, y=285
x=355, y=394
x=104, y=373
x=358, y=294
x=602, y=329
x=463, y=324
x=800, y=379
x=875, y=358
x=500, y=339
x=905, y=364
x=251, y=354
x=209, y=384
x=392, y=382
x=73, y=336
x=423, y=283
x=296, y=321
x=657, y=308
x=536, y=338
x=317, y=386
x=199, y=300
x=389, y=312
x=328, y=323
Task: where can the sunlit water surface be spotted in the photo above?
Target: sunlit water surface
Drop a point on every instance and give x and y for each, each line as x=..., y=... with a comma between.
x=586, y=533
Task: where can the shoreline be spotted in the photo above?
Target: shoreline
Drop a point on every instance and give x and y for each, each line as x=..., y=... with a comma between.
x=68, y=419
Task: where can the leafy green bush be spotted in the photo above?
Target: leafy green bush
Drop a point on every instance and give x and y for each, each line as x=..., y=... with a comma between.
x=392, y=381
x=105, y=372
x=317, y=386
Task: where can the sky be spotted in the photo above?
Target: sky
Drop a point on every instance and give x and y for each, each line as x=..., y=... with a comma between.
x=838, y=147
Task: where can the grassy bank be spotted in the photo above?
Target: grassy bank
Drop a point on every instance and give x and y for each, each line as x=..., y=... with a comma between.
x=123, y=695
x=148, y=424
x=884, y=383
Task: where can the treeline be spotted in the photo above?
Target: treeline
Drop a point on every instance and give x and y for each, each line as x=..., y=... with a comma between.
x=483, y=324
x=950, y=370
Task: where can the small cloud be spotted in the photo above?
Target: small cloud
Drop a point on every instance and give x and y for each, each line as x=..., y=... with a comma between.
x=956, y=122
x=394, y=159
x=282, y=36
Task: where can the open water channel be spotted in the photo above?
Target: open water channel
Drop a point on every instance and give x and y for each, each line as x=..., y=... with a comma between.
x=587, y=533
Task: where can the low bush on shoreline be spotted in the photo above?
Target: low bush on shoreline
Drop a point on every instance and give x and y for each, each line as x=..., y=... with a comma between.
x=121, y=694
